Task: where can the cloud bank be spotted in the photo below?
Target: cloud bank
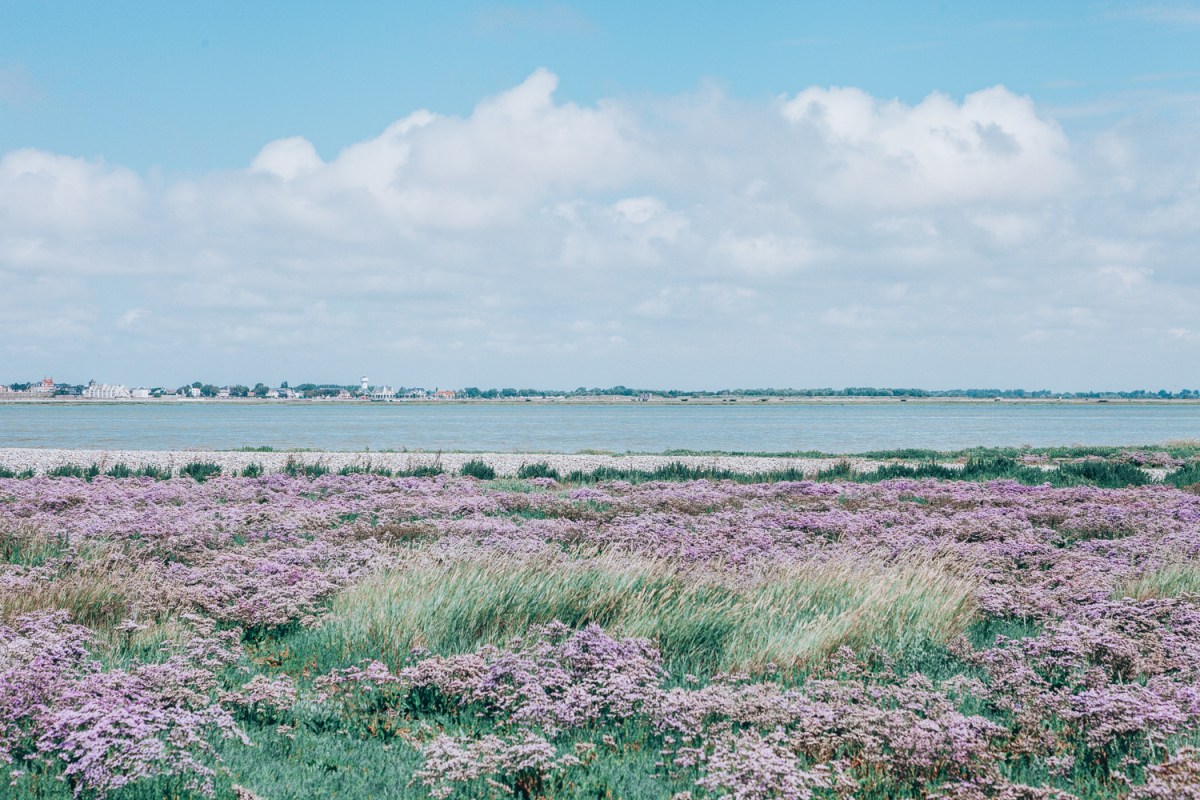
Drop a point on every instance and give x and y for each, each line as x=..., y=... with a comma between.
x=825, y=238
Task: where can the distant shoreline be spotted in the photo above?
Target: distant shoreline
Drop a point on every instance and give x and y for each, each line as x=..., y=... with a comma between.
x=605, y=401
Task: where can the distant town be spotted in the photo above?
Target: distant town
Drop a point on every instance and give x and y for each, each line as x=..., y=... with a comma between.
x=364, y=391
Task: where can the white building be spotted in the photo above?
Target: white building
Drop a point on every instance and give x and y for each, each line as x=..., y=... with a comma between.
x=383, y=393
x=364, y=385
x=106, y=391
x=140, y=393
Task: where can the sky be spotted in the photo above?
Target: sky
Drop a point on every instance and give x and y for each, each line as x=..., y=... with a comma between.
x=671, y=195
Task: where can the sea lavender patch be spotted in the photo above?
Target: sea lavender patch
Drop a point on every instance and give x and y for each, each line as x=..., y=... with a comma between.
x=214, y=635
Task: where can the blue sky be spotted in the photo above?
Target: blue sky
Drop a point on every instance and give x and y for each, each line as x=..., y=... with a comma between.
x=671, y=194
x=190, y=86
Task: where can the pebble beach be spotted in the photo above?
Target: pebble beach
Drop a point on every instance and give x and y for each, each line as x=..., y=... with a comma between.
x=42, y=460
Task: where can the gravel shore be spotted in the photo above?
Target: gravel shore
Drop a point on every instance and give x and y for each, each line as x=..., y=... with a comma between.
x=506, y=464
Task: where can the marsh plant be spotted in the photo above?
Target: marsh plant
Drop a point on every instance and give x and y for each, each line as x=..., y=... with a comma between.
x=364, y=635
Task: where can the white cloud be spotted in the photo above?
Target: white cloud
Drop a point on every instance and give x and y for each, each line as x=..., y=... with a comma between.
x=764, y=253
x=132, y=318
x=48, y=194
x=991, y=146
x=538, y=241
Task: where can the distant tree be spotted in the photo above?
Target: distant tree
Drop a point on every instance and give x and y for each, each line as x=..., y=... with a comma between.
x=208, y=390
x=260, y=390
x=283, y=385
x=239, y=391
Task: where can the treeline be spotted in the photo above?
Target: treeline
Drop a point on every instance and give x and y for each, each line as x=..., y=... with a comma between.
x=851, y=391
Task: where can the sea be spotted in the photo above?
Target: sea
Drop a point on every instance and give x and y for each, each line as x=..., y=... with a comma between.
x=559, y=427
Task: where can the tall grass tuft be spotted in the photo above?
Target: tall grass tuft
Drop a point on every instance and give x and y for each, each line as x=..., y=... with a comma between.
x=478, y=469
x=92, y=594
x=200, y=471
x=365, y=469
x=1184, y=476
x=151, y=471
x=1169, y=580
x=421, y=471
x=790, y=617
x=539, y=470
x=74, y=471
x=120, y=470
x=30, y=546
x=252, y=470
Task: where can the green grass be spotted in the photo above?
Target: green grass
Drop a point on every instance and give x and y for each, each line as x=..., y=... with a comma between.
x=200, y=471
x=252, y=470
x=74, y=471
x=1105, y=474
x=791, y=618
x=157, y=473
x=477, y=469
x=30, y=547
x=1184, y=476
x=539, y=470
x=1169, y=580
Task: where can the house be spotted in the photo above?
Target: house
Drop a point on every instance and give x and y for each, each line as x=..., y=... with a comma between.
x=106, y=391
x=224, y=391
x=45, y=388
x=140, y=393
x=344, y=395
x=383, y=394
x=447, y=394
x=416, y=394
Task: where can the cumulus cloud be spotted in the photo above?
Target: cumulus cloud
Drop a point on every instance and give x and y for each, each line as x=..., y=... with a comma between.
x=991, y=146
x=680, y=240
x=48, y=194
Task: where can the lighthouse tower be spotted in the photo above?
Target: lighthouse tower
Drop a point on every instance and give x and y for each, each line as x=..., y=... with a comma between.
x=363, y=384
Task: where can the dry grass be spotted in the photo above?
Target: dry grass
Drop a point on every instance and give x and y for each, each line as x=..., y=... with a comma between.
x=789, y=616
x=1169, y=580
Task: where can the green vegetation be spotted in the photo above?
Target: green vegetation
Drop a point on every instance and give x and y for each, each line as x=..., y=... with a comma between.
x=539, y=470
x=1184, y=476
x=157, y=473
x=477, y=469
x=296, y=469
x=1104, y=474
x=707, y=624
x=252, y=470
x=200, y=470
x=1170, y=580
x=74, y=471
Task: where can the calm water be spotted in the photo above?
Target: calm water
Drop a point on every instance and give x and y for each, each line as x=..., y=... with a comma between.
x=838, y=428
